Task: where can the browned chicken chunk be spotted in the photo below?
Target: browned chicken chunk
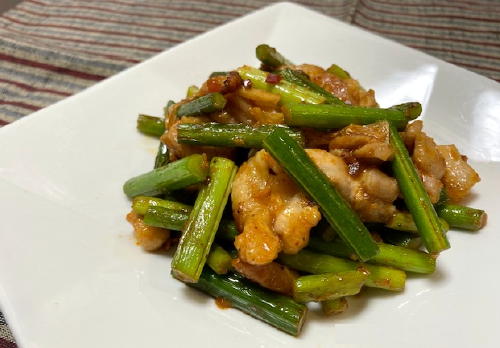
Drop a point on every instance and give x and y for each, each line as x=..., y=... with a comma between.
x=459, y=176
x=148, y=237
x=426, y=157
x=272, y=276
x=430, y=164
x=368, y=142
x=348, y=90
x=410, y=133
x=272, y=214
x=439, y=165
x=370, y=193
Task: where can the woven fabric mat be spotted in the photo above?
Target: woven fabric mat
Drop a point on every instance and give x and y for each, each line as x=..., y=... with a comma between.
x=51, y=49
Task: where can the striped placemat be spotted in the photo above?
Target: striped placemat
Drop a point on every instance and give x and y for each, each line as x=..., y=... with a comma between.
x=6, y=339
x=50, y=49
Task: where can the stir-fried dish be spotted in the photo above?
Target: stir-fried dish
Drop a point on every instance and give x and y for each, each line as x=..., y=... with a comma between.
x=288, y=184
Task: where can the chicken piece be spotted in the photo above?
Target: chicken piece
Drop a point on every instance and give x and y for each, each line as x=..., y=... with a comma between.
x=410, y=133
x=273, y=215
x=370, y=193
x=426, y=157
x=348, y=90
x=373, y=201
x=317, y=139
x=222, y=117
x=368, y=142
x=378, y=184
x=222, y=84
x=376, y=151
x=178, y=150
x=335, y=169
x=253, y=107
x=459, y=176
x=439, y=165
x=430, y=164
x=260, y=97
x=328, y=81
x=240, y=109
x=294, y=220
x=432, y=186
x=266, y=117
x=148, y=237
x=270, y=211
x=257, y=244
x=359, y=96
x=272, y=276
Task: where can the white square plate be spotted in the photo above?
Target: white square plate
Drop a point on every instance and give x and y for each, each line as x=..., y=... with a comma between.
x=71, y=276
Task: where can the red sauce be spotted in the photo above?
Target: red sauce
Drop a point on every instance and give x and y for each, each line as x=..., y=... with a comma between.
x=214, y=85
x=222, y=303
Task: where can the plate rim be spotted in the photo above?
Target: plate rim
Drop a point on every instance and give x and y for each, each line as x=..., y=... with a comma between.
x=9, y=313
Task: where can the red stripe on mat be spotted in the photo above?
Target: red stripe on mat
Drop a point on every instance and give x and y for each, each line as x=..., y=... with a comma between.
x=97, y=43
x=109, y=20
x=398, y=33
x=450, y=50
x=134, y=14
x=433, y=5
x=105, y=55
x=34, y=89
x=473, y=66
x=423, y=25
x=317, y=4
x=20, y=104
x=224, y=3
x=112, y=57
x=110, y=32
x=173, y=8
x=263, y=3
x=50, y=67
x=429, y=15
x=4, y=343
x=478, y=3
x=2, y=123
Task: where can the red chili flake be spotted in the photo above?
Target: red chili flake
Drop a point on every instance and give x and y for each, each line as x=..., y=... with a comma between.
x=273, y=78
x=231, y=83
x=214, y=85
